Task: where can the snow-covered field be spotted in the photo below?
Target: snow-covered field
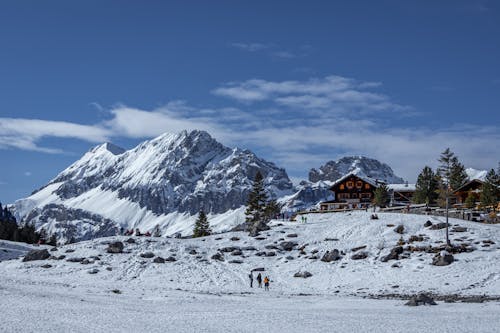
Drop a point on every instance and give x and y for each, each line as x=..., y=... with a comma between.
x=197, y=293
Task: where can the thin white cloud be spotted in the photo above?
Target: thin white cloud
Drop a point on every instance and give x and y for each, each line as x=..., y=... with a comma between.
x=251, y=47
x=331, y=123
x=28, y=173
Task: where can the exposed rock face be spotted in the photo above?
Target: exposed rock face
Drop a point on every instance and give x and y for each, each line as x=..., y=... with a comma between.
x=369, y=167
x=421, y=299
x=304, y=274
x=184, y=173
x=36, y=255
x=393, y=255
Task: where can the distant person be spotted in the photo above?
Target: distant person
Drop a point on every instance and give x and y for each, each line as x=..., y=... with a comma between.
x=259, y=280
x=250, y=276
x=266, y=283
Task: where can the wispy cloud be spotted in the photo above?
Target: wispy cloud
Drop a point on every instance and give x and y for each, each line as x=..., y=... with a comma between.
x=251, y=47
x=331, y=92
x=273, y=50
x=28, y=173
x=298, y=124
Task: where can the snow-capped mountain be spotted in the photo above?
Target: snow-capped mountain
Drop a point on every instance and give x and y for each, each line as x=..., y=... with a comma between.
x=361, y=165
x=476, y=174
x=317, y=189
x=165, y=181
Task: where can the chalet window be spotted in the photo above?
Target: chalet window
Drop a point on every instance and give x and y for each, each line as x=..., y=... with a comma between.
x=365, y=195
x=367, y=186
x=342, y=186
x=343, y=195
x=354, y=195
x=350, y=184
x=359, y=184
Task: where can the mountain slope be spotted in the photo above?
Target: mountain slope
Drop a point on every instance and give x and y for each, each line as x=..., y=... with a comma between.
x=164, y=181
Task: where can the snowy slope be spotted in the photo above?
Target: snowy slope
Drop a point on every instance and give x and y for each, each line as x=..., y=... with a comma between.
x=476, y=174
x=165, y=181
x=473, y=273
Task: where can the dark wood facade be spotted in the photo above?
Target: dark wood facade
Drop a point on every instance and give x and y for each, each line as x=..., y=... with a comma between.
x=474, y=186
x=350, y=192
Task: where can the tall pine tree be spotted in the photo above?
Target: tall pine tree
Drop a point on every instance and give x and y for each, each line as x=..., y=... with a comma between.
x=490, y=191
x=427, y=187
x=257, y=201
x=201, y=226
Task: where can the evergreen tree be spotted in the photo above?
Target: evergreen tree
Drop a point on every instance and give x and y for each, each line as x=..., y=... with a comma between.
x=494, y=179
x=271, y=209
x=470, y=201
x=381, y=196
x=427, y=187
x=458, y=176
x=257, y=201
x=201, y=226
x=489, y=193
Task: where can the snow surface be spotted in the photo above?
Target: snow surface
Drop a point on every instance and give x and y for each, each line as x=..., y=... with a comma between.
x=476, y=174
x=196, y=293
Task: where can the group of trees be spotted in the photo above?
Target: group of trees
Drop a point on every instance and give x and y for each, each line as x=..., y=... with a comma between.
x=260, y=209
x=10, y=230
x=436, y=187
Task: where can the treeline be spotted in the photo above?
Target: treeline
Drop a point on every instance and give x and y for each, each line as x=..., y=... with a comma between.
x=10, y=230
x=433, y=187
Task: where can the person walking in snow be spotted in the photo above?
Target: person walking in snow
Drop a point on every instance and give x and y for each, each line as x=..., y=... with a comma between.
x=250, y=276
x=266, y=283
x=259, y=280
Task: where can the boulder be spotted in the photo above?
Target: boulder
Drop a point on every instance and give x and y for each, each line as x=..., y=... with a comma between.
x=130, y=240
x=443, y=259
x=421, y=299
x=147, y=255
x=236, y=253
x=53, y=249
x=235, y=239
x=330, y=256
x=258, y=269
x=193, y=252
x=354, y=249
x=359, y=255
x=393, y=255
x=46, y=266
x=75, y=259
x=438, y=226
x=291, y=235
x=260, y=254
x=37, y=255
x=249, y=248
x=400, y=229
x=427, y=224
x=170, y=259
x=304, y=274
x=229, y=249
x=159, y=260
x=236, y=261
x=86, y=262
x=288, y=246
x=69, y=250
x=218, y=256
x=115, y=247
x=270, y=254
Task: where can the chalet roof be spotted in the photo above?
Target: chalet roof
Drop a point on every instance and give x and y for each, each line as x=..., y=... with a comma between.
x=466, y=185
x=402, y=187
x=369, y=180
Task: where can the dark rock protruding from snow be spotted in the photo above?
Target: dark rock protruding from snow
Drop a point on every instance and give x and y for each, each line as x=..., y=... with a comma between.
x=159, y=260
x=400, y=229
x=288, y=246
x=115, y=247
x=421, y=299
x=147, y=255
x=37, y=255
x=359, y=255
x=393, y=255
x=304, y=274
x=218, y=256
x=438, y=226
x=330, y=256
x=443, y=259
x=427, y=224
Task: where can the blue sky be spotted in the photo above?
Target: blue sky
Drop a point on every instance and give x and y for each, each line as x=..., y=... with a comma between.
x=299, y=83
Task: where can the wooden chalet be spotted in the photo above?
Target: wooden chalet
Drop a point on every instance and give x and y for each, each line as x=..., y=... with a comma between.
x=474, y=186
x=351, y=191
x=401, y=194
